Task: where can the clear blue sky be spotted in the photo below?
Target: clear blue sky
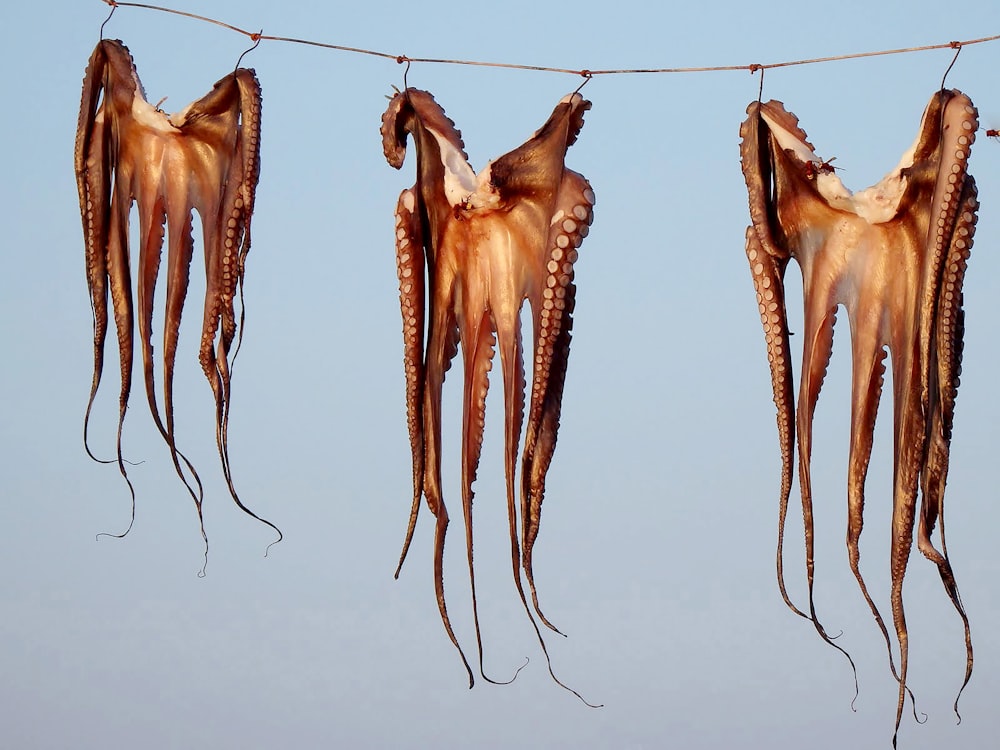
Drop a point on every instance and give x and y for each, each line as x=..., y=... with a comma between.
x=656, y=554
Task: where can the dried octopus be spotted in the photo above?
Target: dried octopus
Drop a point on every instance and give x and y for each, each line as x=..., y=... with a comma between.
x=489, y=241
x=895, y=257
x=204, y=158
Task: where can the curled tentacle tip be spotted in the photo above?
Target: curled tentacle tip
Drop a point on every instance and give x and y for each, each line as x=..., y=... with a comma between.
x=268, y=547
x=583, y=700
x=98, y=536
x=518, y=671
x=504, y=682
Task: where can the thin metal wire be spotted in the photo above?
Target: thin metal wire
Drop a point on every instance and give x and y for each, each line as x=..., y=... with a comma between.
x=587, y=73
x=114, y=6
x=760, y=91
x=403, y=59
x=256, y=41
x=958, y=51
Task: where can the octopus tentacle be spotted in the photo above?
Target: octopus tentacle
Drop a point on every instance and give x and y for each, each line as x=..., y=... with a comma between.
x=250, y=110
x=949, y=337
x=569, y=226
x=410, y=270
x=511, y=348
x=228, y=234
x=117, y=264
x=816, y=353
x=909, y=425
x=440, y=340
x=180, y=251
x=93, y=185
x=767, y=267
x=867, y=380
x=478, y=344
x=868, y=377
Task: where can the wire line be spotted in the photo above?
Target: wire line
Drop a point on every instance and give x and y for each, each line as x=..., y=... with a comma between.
x=586, y=73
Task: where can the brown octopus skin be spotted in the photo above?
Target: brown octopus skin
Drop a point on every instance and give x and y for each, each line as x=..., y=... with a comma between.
x=507, y=235
x=205, y=158
x=900, y=280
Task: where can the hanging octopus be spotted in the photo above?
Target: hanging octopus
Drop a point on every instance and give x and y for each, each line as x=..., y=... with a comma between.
x=490, y=241
x=205, y=158
x=894, y=256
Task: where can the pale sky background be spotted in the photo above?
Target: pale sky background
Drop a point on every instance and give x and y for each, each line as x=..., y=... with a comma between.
x=656, y=554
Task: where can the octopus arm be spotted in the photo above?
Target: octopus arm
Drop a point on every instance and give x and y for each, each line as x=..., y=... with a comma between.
x=552, y=310
x=93, y=177
x=105, y=198
x=478, y=347
x=768, y=261
x=410, y=270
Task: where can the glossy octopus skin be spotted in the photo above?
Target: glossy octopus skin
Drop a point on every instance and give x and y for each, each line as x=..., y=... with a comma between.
x=895, y=257
x=488, y=242
x=204, y=158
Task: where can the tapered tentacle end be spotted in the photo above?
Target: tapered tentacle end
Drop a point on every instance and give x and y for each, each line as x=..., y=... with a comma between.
x=440, y=532
x=768, y=278
x=553, y=313
x=410, y=271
